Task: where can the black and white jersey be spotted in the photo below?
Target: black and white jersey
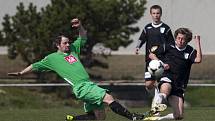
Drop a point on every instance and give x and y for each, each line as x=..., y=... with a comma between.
x=155, y=36
x=180, y=62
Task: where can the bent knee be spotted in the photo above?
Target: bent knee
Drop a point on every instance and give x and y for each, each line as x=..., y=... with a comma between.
x=149, y=85
x=108, y=98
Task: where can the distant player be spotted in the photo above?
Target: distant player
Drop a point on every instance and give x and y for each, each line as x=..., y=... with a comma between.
x=155, y=35
x=179, y=58
x=66, y=63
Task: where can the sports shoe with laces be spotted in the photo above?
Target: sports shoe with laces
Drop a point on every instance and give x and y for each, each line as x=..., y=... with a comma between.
x=69, y=118
x=158, y=108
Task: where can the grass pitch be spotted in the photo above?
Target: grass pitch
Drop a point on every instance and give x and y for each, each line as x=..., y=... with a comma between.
x=58, y=114
x=18, y=104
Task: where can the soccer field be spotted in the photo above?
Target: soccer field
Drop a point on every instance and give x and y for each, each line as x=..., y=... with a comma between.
x=191, y=114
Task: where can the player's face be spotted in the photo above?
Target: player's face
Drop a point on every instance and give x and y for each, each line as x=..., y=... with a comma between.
x=64, y=45
x=180, y=41
x=156, y=15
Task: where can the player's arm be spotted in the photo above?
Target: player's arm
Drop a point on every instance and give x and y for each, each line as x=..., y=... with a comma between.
x=76, y=23
x=170, y=37
x=42, y=65
x=153, y=56
x=82, y=32
x=82, y=39
x=198, y=58
x=24, y=71
x=141, y=41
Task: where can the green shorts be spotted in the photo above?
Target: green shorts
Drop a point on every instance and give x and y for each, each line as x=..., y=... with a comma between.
x=91, y=94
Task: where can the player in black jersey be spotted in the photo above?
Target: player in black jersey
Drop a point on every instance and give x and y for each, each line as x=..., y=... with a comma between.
x=178, y=59
x=154, y=34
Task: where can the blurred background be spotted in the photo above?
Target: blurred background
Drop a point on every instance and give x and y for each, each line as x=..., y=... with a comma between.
x=28, y=27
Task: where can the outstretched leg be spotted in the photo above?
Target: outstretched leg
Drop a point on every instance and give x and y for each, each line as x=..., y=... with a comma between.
x=119, y=109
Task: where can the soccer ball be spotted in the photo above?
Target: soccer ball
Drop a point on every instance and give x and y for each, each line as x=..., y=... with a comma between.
x=156, y=68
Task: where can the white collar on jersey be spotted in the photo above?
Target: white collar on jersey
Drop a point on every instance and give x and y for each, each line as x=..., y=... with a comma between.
x=157, y=25
x=179, y=48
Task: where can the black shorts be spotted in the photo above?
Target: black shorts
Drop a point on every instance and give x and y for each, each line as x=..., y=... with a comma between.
x=176, y=90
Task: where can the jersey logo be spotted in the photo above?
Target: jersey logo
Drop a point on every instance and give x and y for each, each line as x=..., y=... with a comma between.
x=154, y=48
x=149, y=27
x=162, y=29
x=71, y=59
x=186, y=55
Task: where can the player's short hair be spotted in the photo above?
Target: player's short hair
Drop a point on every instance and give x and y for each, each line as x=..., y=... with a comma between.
x=156, y=7
x=185, y=31
x=58, y=39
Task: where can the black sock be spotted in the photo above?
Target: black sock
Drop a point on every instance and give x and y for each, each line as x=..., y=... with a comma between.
x=88, y=116
x=119, y=109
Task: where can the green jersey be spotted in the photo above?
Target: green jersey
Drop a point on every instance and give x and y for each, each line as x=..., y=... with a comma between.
x=67, y=65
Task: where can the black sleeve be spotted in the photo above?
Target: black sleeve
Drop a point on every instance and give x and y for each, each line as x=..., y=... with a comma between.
x=170, y=38
x=165, y=52
x=193, y=55
x=142, y=39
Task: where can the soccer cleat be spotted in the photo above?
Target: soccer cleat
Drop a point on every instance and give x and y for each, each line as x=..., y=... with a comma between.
x=157, y=114
x=152, y=118
x=158, y=108
x=136, y=116
x=69, y=118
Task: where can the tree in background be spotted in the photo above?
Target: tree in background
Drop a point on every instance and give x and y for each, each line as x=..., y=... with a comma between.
x=29, y=32
x=1, y=39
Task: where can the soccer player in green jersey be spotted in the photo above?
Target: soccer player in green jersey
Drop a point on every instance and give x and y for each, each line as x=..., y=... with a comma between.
x=66, y=63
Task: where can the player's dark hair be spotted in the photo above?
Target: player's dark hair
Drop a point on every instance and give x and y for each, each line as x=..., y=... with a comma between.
x=185, y=31
x=58, y=39
x=156, y=7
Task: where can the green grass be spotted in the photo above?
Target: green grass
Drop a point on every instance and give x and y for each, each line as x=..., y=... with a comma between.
x=200, y=96
x=29, y=104
x=58, y=114
x=14, y=97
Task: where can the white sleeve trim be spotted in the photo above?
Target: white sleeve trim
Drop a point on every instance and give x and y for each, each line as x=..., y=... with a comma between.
x=69, y=81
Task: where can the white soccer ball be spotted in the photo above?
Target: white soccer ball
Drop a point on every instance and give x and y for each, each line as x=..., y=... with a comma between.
x=156, y=68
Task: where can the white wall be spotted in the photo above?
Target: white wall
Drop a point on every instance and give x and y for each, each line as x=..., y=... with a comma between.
x=198, y=15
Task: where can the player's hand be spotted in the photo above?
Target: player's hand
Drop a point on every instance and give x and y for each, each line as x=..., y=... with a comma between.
x=197, y=37
x=197, y=41
x=75, y=23
x=137, y=51
x=166, y=66
x=152, y=56
x=14, y=74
